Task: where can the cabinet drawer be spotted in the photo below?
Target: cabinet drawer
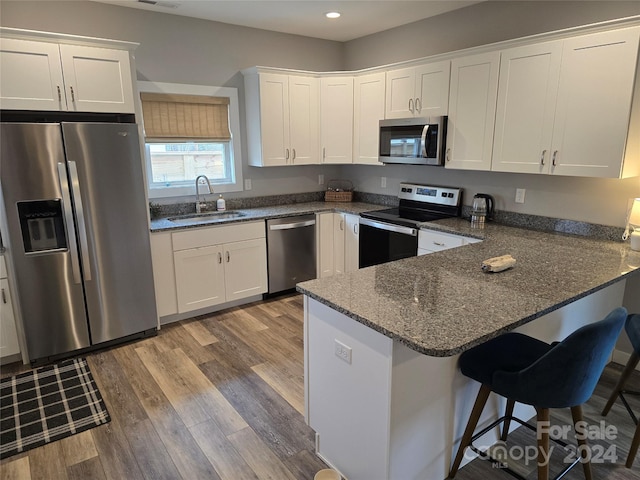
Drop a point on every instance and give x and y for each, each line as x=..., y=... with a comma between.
x=202, y=237
x=436, y=241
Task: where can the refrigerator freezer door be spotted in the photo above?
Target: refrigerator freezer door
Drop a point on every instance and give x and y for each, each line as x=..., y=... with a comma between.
x=37, y=202
x=108, y=190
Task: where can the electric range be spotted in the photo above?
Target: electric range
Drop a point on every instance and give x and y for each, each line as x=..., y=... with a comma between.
x=392, y=233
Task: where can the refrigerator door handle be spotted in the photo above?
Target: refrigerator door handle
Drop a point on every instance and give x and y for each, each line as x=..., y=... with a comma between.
x=68, y=220
x=82, y=229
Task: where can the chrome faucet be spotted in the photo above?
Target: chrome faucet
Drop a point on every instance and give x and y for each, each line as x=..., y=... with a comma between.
x=200, y=205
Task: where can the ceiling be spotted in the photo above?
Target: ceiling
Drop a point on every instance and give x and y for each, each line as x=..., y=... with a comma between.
x=305, y=17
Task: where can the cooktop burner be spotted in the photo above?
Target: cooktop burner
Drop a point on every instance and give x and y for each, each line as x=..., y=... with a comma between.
x=420, y=203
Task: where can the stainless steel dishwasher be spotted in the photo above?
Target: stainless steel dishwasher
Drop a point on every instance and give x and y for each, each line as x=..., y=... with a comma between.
x=291, y=251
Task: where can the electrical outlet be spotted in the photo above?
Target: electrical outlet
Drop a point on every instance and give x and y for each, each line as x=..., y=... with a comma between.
x=247, y=184
x=383, y=182
x=520, y=195
x=342, y=351
x=321, y=179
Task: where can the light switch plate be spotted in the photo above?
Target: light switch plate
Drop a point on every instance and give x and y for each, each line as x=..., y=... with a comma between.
x=520, y=195
x=321, y=179
x=247, y=184
x=383, y=182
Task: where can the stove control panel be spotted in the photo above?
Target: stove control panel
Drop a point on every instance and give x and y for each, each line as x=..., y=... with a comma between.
x=430, y=194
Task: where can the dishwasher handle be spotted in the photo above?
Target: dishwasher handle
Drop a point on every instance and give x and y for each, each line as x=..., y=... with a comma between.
x=289, y=226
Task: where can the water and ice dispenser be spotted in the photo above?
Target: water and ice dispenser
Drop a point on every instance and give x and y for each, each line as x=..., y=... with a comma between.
x=42, y=225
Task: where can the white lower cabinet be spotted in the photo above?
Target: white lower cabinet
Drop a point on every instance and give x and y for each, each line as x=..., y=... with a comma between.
x=338, y=242
x=351, y=242
x=199, y=277
x=430, y=241
x=324, y=241
x=337, y=238
x=164, y=276
x=209, y=266
x=8, y=336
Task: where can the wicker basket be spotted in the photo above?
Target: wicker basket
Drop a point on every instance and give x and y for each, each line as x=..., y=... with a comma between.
x=339, y=191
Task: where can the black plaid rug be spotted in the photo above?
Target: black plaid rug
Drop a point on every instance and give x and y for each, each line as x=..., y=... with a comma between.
x=47, y=404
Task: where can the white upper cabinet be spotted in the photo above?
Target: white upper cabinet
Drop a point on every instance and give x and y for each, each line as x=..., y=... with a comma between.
x=526, y=108
x=50, y=76
x=282, y=119
x=565, y=107
x=303, y=120
x=336, y=119
x=593, y=118
x=30, y=76
x=472, y=109
x=97, y=79
x=369, y=94
x=420, y=91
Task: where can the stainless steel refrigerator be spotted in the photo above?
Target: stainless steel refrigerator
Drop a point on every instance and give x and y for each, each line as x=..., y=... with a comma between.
x=78, y=235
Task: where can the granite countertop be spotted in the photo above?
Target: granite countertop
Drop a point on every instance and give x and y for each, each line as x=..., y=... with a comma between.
x=277, y=211
x=442, y=304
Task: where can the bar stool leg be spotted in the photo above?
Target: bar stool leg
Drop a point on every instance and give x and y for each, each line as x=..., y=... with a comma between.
x=508, y=413
x=478, y=406
x=543, y=444
x=635, y=443
x=626, y=373
x=576, y=413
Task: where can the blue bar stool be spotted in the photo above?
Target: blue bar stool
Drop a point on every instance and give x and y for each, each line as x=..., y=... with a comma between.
x=526, y=370
x=632, y=326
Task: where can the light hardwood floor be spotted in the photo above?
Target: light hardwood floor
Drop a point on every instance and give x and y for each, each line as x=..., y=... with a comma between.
x=221, y=397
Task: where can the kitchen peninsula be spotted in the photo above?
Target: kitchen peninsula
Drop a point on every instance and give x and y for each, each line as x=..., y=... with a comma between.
x=382, y=387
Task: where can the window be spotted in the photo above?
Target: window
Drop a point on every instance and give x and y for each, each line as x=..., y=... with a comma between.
x=190, y=130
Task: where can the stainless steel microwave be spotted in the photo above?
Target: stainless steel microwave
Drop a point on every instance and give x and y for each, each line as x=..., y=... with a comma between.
x=415, y=141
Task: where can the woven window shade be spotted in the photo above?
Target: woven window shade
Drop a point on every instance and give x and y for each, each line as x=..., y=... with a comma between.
x=179, y=118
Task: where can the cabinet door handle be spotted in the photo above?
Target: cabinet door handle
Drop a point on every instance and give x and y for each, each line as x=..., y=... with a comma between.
x=59, y=93
x=286, y=154
x=448, y=155
x=73, y=95
x=324, y=153
x=418, y=105
x=228, y=256
x=411, y=105
x=341, y=224
x=355, y=228
x=294, y=154
x=4, y=297
x=440, y=244
x=219, y=257
x=544, y=152
x=553, y=160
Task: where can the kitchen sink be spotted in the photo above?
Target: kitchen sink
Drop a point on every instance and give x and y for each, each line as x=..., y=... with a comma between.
x=209, y=217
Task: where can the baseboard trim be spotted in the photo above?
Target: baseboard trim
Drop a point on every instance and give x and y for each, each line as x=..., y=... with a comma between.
x=622, y=358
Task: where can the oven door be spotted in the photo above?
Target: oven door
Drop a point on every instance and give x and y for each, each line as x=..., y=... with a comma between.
x=381, y=242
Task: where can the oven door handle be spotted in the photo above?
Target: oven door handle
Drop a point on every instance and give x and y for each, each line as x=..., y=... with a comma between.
x=389, y=227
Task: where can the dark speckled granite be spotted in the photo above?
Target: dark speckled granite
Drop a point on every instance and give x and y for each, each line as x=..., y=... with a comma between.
x=442, y=304
x=274, y=211
x=550, y=224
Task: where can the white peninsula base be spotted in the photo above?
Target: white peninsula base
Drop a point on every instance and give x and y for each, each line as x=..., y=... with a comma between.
x=383, y=411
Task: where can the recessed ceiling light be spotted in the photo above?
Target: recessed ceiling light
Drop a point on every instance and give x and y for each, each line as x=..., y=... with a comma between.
x=332, y=14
